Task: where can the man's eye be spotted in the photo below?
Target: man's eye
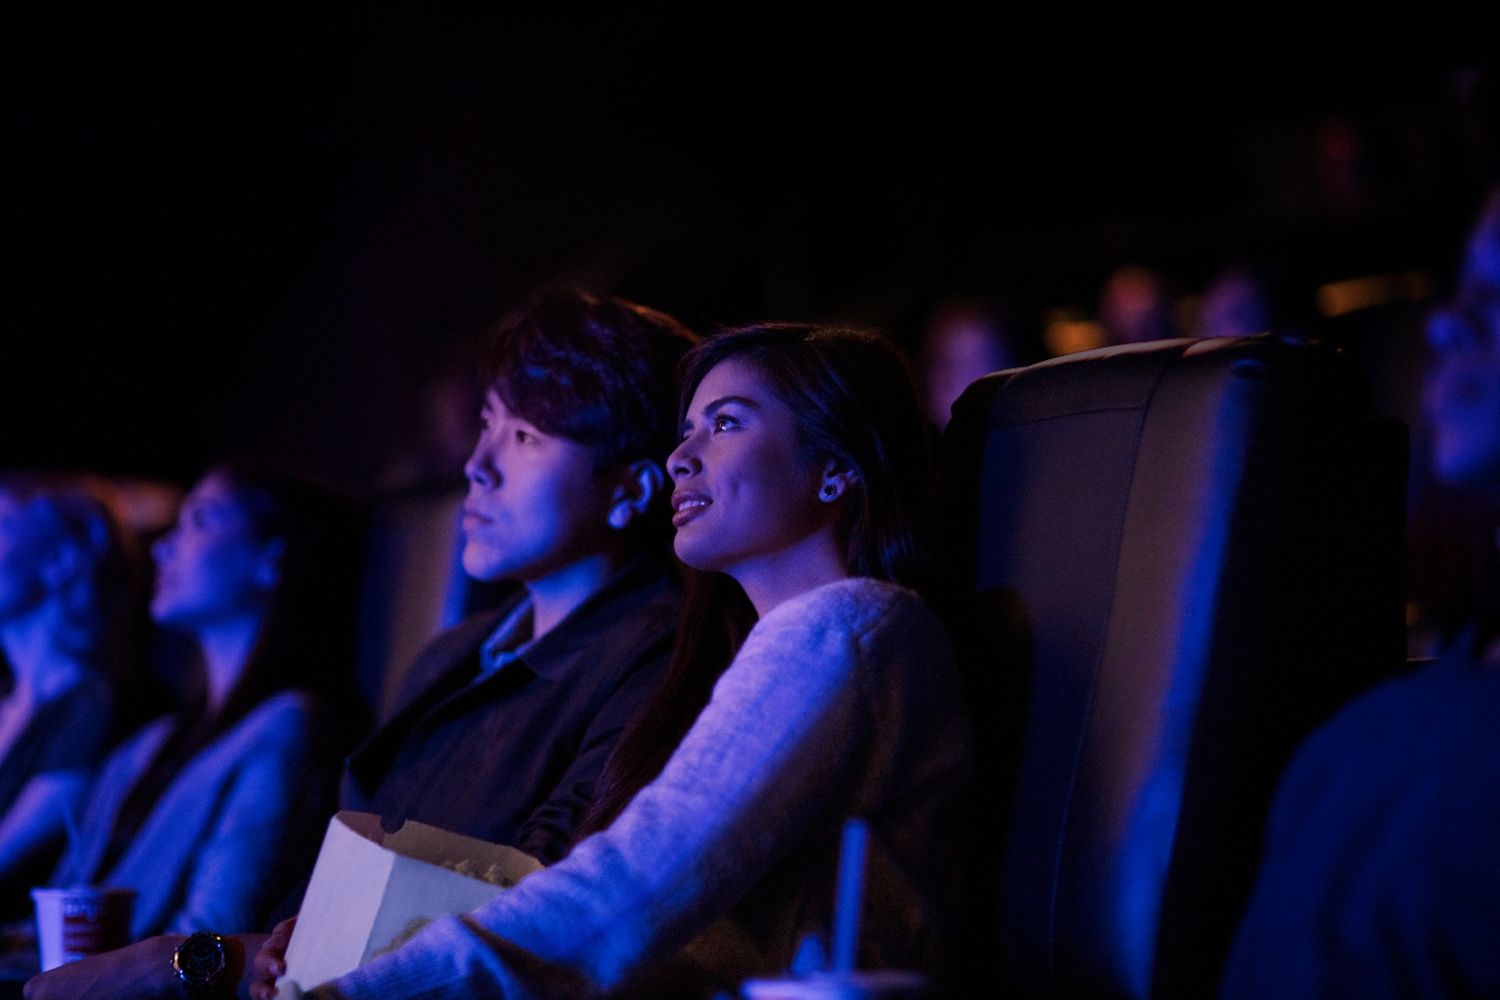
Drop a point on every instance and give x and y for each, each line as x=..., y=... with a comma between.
x=524, y=436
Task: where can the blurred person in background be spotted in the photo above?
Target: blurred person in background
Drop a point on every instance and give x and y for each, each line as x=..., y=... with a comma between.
x=963, y=339
x=1236, y=303
x=63, y=581
x=201, y=810
x=1380, y=876
x=1136, y=306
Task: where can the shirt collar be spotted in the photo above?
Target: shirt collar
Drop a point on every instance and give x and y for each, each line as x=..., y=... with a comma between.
x=509, y=640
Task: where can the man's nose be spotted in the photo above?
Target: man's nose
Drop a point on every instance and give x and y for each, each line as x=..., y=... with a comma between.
x=480, y=469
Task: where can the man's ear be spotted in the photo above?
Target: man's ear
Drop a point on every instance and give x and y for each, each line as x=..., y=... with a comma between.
x=639, y=484
x=268, y=564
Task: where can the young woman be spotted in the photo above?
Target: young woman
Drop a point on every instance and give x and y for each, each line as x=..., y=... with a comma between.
x=799, y=478
x=195, y=811
x=62, y=583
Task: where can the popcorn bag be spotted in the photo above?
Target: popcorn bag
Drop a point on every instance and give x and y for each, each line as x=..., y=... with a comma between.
x=371, y=890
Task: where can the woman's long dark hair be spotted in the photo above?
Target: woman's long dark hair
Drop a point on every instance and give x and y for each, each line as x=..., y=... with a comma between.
x=855, y=403
x=306, y=638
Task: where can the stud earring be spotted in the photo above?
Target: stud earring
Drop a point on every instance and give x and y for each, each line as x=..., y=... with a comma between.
x=830, y=491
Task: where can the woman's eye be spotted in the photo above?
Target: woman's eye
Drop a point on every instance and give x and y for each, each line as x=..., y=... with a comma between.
x=524, y=436
x=723, y=422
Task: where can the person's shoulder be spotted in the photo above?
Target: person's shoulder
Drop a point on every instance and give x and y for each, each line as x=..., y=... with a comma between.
x=291, y=713
x=1382, y=714
x=859, y=603
x=1401, y=731
x=878, y=621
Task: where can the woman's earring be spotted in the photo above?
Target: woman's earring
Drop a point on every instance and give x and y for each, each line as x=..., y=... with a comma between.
x=830, y=491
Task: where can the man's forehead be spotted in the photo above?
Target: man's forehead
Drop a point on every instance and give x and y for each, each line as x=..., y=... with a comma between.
x=494, y=403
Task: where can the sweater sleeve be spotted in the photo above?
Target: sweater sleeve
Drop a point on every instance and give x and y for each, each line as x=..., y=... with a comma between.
x=778, y=748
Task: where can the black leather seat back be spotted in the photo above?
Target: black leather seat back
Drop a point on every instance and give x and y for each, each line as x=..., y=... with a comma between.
x=1185, y=553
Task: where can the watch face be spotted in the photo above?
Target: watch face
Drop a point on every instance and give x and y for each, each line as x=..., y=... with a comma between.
x=200, y=958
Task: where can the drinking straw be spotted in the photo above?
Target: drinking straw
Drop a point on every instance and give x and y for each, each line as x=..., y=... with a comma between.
x=70, y=823
x=846, y=906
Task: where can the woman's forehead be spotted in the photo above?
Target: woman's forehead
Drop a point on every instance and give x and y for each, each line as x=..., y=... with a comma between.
x=216, y=490
x=732, y=377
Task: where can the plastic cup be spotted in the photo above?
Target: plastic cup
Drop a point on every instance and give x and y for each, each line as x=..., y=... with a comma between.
x=75, y=923
x=875, y=985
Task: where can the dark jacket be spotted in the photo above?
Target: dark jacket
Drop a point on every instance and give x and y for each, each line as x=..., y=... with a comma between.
x=513, y=758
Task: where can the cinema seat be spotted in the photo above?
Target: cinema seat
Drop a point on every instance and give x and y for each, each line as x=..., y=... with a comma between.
x=1174, y=559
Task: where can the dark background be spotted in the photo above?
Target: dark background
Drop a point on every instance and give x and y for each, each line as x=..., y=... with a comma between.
x=262, y=233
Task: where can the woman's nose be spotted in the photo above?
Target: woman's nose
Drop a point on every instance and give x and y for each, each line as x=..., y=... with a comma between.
x=683, y=461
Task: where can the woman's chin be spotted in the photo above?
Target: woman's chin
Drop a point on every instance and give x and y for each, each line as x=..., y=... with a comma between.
x=694, y=553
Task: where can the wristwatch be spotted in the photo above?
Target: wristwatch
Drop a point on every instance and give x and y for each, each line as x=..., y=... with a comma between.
x=199, y=964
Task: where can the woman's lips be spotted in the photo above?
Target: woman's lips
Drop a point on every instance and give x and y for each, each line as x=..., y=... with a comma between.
x=686, y=506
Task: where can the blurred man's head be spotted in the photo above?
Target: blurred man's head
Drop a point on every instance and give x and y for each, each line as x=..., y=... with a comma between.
x=1463, y=385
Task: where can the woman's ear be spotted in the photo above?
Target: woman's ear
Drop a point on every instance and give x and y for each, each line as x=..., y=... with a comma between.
x=638, y=486
x=837, y=480
x=268, y=564
x=62, y=564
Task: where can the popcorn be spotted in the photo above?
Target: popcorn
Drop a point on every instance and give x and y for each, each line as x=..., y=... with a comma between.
x=494, y=874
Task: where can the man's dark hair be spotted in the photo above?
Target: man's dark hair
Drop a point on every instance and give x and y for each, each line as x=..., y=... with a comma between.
x=595, y=369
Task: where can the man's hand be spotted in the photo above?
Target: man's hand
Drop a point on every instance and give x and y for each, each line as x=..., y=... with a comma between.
x=143, y=971
x=269, y=962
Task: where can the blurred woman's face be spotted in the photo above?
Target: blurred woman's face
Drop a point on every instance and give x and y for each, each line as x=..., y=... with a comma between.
x=22, y=544
x=1463, y=396
x=211, y=567
x=744, y=489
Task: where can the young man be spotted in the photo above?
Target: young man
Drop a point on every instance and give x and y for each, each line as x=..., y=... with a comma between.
x=506, y=720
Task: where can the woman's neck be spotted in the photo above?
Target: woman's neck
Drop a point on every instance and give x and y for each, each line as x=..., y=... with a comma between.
x=226, y=648
x=772, y=579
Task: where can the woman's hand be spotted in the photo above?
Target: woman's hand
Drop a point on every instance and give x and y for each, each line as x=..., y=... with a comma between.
x=269, y=962
x=143, y=971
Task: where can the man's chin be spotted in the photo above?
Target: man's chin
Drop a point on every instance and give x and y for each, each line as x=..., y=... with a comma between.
x=487, y=565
